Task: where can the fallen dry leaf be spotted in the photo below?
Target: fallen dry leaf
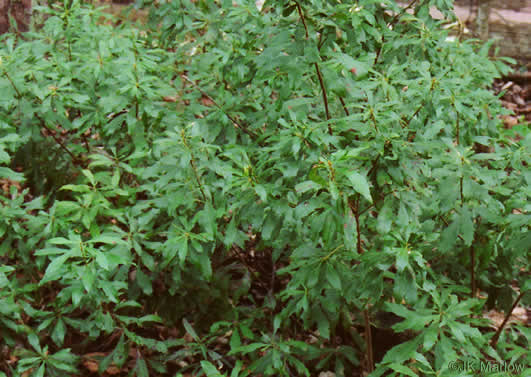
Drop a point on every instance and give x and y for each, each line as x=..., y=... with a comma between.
x=205, y=101
x=519, y=315
x=169, y=98
x=509, y=121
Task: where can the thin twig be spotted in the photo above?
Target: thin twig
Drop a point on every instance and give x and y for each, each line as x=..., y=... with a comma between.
x=446, y=223
x=354, y=207
x=192, y=164
x=12, y=84
x=473, y=287
x=301, y=15
x=472, y=271
x=75, y=159
x=317, y=70
x=234, y=122
x=378, y=53
x=344, y=106
x=325, y=97
x=496, y=336
x=368, y=340
x=402, y=11
x=414, y=115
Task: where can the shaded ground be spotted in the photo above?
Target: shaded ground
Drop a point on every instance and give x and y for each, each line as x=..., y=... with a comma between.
x=517, y=97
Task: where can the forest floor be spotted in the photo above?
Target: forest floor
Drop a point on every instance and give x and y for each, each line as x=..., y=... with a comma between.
x=520, y=16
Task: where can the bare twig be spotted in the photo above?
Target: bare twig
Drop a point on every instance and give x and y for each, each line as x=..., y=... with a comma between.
x=12, y=84
x=301, y=15
x=75, y=159
x=368, y=340
x=344, y=106
x=231, y=118
x=402, y=11
x=317, y=70
x=325, y=97
x=496, y=336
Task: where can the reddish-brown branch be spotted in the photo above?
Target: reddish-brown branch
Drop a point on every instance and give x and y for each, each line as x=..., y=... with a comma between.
x=496, y=336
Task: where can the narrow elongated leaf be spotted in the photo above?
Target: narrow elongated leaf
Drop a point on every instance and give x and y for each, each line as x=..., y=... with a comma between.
x=190, y=330
x=360, y=184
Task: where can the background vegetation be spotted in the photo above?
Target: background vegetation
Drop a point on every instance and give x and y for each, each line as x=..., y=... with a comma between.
x=234, y=191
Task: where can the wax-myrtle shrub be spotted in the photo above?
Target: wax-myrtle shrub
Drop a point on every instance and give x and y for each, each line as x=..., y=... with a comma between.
x=270, y=181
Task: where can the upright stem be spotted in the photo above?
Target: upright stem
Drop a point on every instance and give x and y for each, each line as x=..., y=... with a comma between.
x=301, y=15
x=473, y=284
x=325, y=97
x=192, y=164
x=461, y=190
x=317, y=70
x=19, y=96
x=354, y=207
x=344, y=105
x=472, y=271
x=368, y=340
x=457, y=129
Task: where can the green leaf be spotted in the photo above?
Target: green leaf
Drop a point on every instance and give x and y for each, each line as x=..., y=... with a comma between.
x=357, y=67
x=233, y=235
x=430, y=336
x=385, y=218
x=314, y=176
x=5, y=158
x=405, y=286
x=247, y=348
x=399, y=310
x=150, y=318
x=182, y=249
x=307, y=186
x=333, y=277
x=323, y=323
x=55, y=270
x=33, y=339
x=402, y=259
x=202, y=260
x=63, y=360
x=88, y=276
x=237, y=368
x=141, y=368
x=403, y=216
x=235, y=340
x=190, y=330
x=101, y=259
x=261, y=192
x=311, y=53
x=401, y=352
x=332, y=188
x=89, y=175
x=11, y=175
x=40, y=371
x=144, y=282
x=403, y=370
x=109, y=239
x=210, y=369
x=466, y=227
x=58, y=333
x=360, y=184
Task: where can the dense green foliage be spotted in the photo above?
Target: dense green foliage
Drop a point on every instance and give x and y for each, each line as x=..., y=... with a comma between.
x=276, y=177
